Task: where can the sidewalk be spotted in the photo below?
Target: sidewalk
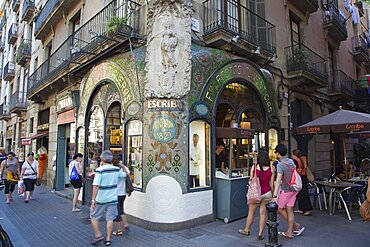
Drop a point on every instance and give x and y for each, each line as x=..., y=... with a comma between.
x=48, y=221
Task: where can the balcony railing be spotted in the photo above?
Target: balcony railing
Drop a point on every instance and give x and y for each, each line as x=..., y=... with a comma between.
x=4, y=112
x=15, y=5
x=341, y=84
x=28, y=9
x=13, y=33
x=9, y=71
x=304, y=6
x=3, y=20
x=237, y=19
x=360, y=49
x=110, y=22
x=302, y=58
x=335, y=22
x=2, y=44
x=24, y=52
x=18, y=102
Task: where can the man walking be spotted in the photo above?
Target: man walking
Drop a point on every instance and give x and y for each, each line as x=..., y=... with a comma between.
x=287, y=196
x=104, y=197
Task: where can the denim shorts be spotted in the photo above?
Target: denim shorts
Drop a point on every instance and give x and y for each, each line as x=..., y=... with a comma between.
x=110, y=211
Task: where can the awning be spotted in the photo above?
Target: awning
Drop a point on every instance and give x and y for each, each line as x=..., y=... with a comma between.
x=39, y=135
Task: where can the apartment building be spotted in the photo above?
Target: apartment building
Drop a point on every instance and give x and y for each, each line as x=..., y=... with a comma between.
x=162, y=83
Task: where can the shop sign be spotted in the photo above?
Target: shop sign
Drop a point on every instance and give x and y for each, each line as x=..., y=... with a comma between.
x=66, y=117
x=65, y=103
x=164, y=105
x=238, y=70
x=163, y=129
x=43, y=127
x=26, y=142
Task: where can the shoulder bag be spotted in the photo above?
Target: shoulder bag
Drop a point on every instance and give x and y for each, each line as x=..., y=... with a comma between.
x=309, y=174
x=38, y=182
x=254, y=190
x=129, y=185
x=11, y=176
x=365, y=210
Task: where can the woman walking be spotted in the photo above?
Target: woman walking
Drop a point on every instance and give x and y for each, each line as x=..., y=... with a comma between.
x=11, y=166
x=265, y=172
x=121, y=193
x=29, y=173
x=304, y=203
x=76, y=167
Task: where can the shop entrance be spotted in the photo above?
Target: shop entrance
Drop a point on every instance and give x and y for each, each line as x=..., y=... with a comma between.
x=239, y=107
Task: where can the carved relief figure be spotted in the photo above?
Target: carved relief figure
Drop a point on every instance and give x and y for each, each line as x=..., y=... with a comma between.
x=168, y=48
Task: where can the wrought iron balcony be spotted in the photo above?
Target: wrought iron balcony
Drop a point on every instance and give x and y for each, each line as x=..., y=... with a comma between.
x=13, y=33
x=306, y=68
x=51, y=13
x=335, y=23
x=340, y=85
x=232, y=21
x=112, y=26
x=18, y=102
x=28, y=9
x=4, y=112
x=359, y=49
x=15, y=5
x=24, y=52
x=306, y=6
x=2, y=44
x=9, y=71
x=362, y=99
x=3, y=20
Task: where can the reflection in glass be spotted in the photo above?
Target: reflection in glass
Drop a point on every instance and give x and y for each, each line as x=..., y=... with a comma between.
x=114, y=143
x=200, y=153
x=95, y=138
x=273, y=142
x=134, y=151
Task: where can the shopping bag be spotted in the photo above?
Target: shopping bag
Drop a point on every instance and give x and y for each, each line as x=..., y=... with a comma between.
x=21, y=188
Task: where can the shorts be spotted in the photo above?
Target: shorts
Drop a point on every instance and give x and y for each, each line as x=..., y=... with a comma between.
x=110, y=211
x=286, y=199
x=29, y=184
x=77, y=184
x=266, y=196
x=9, y=186
x=120, y=208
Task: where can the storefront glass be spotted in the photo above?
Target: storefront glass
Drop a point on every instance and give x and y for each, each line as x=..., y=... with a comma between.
x=95, y=138
x=114, y=142
x=200, y=153
x=273, y=142
x=135, y=151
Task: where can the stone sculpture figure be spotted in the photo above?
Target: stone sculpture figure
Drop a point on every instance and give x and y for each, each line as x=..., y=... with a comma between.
x=168, y=48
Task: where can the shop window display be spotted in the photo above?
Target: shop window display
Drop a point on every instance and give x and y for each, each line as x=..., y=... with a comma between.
x=200, y=153
x=134, y=151
x=115, y=132
x=95, y=137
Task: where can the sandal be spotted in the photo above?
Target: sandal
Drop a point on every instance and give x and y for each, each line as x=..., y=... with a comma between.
x=117, y=233
x=241, y=231
x=97, y=240
x=298, y=232
x=261, y=237
x=285, y=235
x=107, y=242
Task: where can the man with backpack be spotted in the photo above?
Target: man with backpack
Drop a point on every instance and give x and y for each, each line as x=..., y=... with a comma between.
x=288, y=192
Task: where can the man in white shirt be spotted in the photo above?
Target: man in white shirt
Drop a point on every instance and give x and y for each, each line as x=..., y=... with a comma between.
x=195, y=162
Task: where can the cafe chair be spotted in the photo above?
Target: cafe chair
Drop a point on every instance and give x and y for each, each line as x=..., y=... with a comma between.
x=318, y=193
x=347, y=197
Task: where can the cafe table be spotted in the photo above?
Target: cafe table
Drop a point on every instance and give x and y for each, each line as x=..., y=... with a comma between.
x=334, y=186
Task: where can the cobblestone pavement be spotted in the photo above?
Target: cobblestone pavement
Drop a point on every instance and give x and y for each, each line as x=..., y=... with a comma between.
x=48, y=221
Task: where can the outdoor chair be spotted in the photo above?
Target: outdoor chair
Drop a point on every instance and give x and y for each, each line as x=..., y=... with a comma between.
x=316, y=191
x=348, y=197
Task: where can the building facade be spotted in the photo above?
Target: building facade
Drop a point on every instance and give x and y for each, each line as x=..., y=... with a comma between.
x=162, y=83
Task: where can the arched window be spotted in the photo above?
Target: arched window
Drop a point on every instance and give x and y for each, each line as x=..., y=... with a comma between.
x=135, y=151
x=114, y=131
x=200, y=154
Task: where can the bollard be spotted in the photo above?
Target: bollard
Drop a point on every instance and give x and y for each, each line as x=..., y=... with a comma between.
x=272, y=224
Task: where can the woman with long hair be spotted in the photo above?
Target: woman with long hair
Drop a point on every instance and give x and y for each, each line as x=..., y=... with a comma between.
x=265, y=172
x=304, y=203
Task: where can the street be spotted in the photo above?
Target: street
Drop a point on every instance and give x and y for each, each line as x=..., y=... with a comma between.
x=48, y=221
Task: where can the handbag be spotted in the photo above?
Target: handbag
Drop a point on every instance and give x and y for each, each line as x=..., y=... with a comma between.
x=12, y=176
x=309, y=175
x=365, y=210
x=74, y=173
x=38, y=182
x=254, y=190
x=129, y=186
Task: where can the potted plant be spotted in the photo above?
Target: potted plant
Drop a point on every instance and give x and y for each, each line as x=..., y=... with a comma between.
x=298, y=58
x=115, y=24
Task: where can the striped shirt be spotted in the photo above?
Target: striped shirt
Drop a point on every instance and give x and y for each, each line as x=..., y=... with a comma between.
x=107, y=177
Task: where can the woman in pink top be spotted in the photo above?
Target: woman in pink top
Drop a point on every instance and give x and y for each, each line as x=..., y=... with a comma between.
x=265, y=173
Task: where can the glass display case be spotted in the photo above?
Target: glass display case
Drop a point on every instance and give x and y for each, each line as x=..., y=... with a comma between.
x=135, y=151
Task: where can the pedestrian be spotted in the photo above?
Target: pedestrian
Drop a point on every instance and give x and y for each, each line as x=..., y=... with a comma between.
x=104, y=197
x=29, y=174
x=3, y=155
x=287, y=196
x=265, y=173
x=121, y=194
x=75, y=164
x=9, y=168
x=304, y=203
